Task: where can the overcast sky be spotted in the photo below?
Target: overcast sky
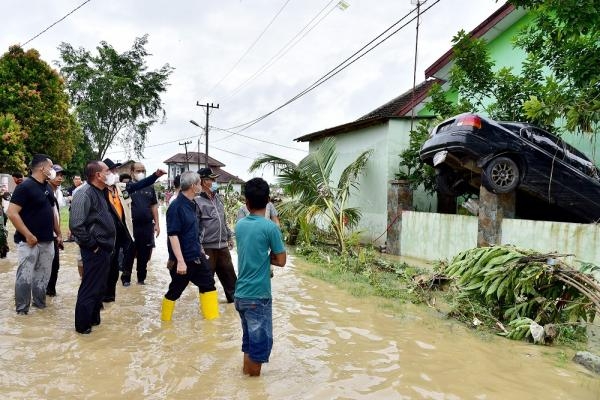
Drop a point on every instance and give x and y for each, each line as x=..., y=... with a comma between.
x=204, y=40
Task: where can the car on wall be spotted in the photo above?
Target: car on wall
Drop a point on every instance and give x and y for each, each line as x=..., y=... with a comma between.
x=469, y=150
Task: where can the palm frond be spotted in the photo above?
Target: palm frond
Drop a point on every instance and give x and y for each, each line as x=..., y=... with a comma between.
x=349, y=177
x=266, y=160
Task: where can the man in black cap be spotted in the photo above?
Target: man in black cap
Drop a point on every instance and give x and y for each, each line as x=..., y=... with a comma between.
x=119, y=196
x=32, y=214
x=217, y=237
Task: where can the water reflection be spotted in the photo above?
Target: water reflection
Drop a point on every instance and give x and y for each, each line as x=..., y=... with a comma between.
x=328, y=345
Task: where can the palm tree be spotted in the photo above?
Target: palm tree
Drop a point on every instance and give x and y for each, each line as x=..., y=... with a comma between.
x=310, y=186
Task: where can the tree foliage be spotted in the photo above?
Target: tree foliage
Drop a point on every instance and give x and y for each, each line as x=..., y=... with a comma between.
x=558, y=86
x=13, y=154
x=310, y=186
x=117, y=99
x=34, y=109
x=565, y=39
x=411, y=167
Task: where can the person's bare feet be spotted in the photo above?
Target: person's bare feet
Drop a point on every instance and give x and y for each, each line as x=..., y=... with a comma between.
x=251, y=368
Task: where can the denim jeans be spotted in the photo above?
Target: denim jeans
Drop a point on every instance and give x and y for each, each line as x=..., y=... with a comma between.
x=257, y=327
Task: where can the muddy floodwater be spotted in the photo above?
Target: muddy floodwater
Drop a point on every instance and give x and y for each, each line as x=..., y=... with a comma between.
x=328, y=345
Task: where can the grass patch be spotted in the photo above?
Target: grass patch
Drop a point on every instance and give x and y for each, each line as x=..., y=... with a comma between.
x=64, y=221
x=364, y=273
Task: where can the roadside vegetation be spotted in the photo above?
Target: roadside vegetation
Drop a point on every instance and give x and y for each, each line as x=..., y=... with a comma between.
x=516, y=293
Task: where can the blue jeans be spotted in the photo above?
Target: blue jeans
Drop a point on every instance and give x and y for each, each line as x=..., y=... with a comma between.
x=257, y=327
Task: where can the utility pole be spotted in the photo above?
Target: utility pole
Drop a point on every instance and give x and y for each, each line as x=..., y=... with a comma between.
x=208, y=106
x=412, y=113
x=187, y=160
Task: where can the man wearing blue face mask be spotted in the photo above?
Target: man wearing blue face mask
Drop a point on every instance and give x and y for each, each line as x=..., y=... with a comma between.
x=216, y=238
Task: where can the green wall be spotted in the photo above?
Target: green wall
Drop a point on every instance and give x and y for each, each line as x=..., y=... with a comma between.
x=387, y=141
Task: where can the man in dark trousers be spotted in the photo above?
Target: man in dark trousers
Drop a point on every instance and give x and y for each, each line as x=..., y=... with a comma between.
x=217, y=237
x=119, y=196
x=60, y=202
x=144, y=211
x=186, y=261
x=93, y=226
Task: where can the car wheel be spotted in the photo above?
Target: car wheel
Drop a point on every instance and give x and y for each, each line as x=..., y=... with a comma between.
x=501, y=175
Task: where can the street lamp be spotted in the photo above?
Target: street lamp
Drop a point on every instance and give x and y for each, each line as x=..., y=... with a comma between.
x=196, y=124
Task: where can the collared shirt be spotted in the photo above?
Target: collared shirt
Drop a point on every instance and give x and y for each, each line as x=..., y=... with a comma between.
x=113, y=197
x=182, y=221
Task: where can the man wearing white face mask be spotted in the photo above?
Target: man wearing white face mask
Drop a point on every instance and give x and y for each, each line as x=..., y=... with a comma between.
x=32, y=214
x=144, y=211
x=119, y=196
x=216, y=237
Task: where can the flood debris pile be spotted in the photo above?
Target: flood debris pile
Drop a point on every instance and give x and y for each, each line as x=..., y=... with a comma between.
x=523, y=294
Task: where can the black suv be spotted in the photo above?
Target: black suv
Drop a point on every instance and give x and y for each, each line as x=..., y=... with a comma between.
x=469, y=150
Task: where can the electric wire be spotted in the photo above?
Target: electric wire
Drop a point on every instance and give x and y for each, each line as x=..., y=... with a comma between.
x=340, y=67
x=69, y=13
x=284, y=50
x=252, y=138
x=189, y=137
x=249, y=48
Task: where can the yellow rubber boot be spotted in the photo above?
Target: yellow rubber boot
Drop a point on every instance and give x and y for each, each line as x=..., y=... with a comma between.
x=209, y=305
x=167, y=309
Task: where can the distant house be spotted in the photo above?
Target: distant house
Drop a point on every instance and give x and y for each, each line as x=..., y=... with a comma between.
x=193, y=162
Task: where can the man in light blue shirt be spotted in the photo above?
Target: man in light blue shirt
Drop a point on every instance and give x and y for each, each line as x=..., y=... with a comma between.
x=259, y=244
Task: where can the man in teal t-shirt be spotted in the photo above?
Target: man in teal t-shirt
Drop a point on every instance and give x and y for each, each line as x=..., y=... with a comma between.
x=259, y=244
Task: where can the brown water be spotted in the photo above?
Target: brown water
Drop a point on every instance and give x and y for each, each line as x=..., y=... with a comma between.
x=328, y=345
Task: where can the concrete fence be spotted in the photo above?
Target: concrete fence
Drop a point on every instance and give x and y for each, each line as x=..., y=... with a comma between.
x=432, y=236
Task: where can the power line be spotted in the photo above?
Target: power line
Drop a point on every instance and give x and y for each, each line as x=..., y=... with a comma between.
x=249, y=48
x=253, y=138
x=337, y=69
x=69, y=13
x=284, y=50
x=340, y=67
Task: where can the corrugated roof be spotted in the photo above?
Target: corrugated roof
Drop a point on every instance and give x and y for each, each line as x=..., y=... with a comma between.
x=193, y=156
x=225, y=177
x=402, y=105
x=399, y=107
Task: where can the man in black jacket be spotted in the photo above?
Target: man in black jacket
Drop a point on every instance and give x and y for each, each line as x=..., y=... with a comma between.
x=92, y=224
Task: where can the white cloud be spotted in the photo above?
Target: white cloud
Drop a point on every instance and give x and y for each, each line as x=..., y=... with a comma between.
x=203, y=39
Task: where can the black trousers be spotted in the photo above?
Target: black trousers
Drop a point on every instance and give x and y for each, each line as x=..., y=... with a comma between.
x=51, y=287
x=198, y=272
x=122, y=243
x=220, y=262
x=91, y=289
x=143, y=237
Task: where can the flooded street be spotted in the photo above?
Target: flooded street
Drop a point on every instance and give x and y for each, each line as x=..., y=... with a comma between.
x=328, y=345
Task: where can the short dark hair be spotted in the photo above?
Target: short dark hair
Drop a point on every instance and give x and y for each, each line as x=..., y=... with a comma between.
x=38, y=159
x=91, y=168
x=17, y=175
x=177, y=181
x=256, y=191
x=122, y=177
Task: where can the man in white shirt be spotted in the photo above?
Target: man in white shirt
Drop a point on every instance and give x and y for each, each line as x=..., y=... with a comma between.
x=60, y=202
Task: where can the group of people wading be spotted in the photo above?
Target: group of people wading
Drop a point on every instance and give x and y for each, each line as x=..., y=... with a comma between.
x=114, y=220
